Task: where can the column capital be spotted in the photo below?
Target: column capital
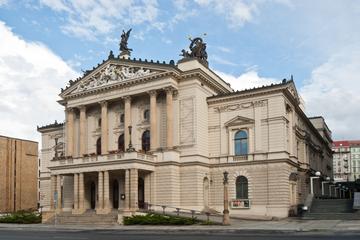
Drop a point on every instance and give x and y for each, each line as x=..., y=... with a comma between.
x=69, y=109
x=152, y=93
x=103, y=103
x=126, y=98
x=169, y=90
x=82, y=107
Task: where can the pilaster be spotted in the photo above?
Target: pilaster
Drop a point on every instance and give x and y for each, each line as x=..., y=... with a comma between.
x=169, y=117
x=127, y=119
x=104, y=127
x=83, y=147
x=153, y=121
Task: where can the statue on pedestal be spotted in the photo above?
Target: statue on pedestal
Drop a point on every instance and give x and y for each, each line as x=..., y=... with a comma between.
x=197, y=49
x=124, y=50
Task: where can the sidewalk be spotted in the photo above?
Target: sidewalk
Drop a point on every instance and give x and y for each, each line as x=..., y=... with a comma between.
x=288, y=225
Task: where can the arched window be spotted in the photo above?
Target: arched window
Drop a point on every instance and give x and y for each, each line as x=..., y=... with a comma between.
x=241, y=188
x=147, y=115
x=99, y=122
x=98, y=146
x=121, y=144
x=145, y=141
x=241, y=143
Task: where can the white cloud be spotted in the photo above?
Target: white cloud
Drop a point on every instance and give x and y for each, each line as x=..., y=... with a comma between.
x=31, y=76
x=3, y=2
x=89, y=19
x=222, y=61
x=333, y=92
x=246, y=80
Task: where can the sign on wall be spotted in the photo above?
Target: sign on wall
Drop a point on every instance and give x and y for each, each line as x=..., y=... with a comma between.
x=240, y=203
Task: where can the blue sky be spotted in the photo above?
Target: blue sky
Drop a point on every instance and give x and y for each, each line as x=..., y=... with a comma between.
x=249, y=43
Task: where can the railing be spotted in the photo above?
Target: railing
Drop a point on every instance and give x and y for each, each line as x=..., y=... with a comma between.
x=240, y=158
x=183, y=212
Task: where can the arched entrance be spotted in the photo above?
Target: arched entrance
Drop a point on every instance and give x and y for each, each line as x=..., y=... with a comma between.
x=206, y=192
x=98, y=146
x=115, y=194
x=92, y=195
x=141, y=192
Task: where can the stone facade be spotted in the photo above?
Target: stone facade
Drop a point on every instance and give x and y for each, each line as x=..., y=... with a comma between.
x=185, y=122
x=18, y=174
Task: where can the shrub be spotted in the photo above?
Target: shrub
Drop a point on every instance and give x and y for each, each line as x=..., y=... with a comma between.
x=23, y=217
x=156, y=219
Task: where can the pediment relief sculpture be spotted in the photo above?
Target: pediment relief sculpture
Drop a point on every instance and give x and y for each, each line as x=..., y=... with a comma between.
x=112, y=74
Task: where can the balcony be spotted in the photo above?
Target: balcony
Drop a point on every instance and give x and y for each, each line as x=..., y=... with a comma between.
x=93, y=158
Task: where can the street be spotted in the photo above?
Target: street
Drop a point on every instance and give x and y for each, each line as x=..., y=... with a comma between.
x=168, y=235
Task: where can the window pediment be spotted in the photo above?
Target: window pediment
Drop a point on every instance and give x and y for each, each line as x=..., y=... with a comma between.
x=238, y=121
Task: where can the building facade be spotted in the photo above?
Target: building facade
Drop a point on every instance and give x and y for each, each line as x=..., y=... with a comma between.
x=18, y=174
x=143, y=132
x=346, y=160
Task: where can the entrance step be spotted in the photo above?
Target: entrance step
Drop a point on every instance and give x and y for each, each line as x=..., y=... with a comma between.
x=87, y=218
x=332, y=209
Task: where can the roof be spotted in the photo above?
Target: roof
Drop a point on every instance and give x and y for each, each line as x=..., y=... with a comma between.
x=51, y=125
x=342, y=143
x=20, y=139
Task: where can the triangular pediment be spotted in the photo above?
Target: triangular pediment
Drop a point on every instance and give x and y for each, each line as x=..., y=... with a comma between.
x=292, y=89
x=239, y=120
x=109, y=74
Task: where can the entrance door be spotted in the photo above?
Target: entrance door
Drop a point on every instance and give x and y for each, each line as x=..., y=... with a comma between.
x=115, y=194
x=141, y=193
x=92, y=195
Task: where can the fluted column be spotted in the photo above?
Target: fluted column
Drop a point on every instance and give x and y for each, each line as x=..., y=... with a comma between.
x=104, y=127
x=106, y=191
x=70, y=132
x=76, y=191
x=81, y=192
x=127, y=190
x=83, y=149
x=100, y=204
x=53, y=189
x=169, y=117
x=134, y=189
x=127, y=120
x=153, y=121
x=58, y=189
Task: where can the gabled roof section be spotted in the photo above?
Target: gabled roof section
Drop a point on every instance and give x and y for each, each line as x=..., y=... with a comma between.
x=115, y=71
x=238, y=120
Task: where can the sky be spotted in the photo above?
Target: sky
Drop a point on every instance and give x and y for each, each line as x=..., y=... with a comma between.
x=45, y=43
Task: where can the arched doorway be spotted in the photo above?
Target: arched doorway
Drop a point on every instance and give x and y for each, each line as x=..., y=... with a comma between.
x=141, y=192
x=115, y=194
x=98, y=146
x=206, y=192
x=92, y=195
x=145, y=141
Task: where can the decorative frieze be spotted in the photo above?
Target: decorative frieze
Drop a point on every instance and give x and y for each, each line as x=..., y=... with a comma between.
x=239, y=106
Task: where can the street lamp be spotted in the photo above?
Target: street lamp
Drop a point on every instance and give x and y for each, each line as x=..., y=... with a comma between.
x=327, y=180
x=130, y=148
x=226, y=217
x=317, y=175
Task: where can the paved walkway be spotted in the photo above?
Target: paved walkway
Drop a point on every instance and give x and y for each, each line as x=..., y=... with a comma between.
x=288, y=225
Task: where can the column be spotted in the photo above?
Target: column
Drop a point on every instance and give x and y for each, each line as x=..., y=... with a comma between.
x=81, y=193
x=76, y=191
x=83, y=144
x=127, y=120
x=58, y=189
x=70, y=131
x=52, y=191
x=106, y=191
x=104, y=127
x=100, y=204
x=169, y=117
x=127, y=189
x=153, y=121
x=134, y=189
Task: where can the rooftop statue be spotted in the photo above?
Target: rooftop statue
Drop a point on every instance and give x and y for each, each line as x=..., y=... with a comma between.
x=197, y=49
x=124, y=42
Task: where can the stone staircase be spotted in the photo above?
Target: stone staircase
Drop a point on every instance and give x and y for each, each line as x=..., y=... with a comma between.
x=87, y=218
x=332, y=209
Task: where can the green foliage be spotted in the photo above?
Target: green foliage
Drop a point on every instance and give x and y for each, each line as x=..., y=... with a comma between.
x=157, y=219
x=23, y=217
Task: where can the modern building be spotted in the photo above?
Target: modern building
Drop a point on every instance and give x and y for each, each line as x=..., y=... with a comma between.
x=346, y=160
x=18, y=174
x=141, y=132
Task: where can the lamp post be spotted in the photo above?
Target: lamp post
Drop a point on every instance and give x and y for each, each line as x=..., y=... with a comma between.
x=130, y=148
x=226, y=217
x=322, y=185
x=317, y=175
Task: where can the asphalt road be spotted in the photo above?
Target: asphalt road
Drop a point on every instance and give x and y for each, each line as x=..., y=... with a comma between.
x=141, y=235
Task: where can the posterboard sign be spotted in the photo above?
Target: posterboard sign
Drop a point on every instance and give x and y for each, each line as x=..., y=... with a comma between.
x=240, y=203
x=356, y=200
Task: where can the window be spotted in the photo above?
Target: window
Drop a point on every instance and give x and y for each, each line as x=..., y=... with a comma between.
x=241, y=187
x=121, y=143
x=147, y=115
x=99, y=122
x=145, y=141
x=122, y=118
x=98, y=146
x=241, y=143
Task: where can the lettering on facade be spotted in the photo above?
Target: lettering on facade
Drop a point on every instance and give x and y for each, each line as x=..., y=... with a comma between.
x=112, y=74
